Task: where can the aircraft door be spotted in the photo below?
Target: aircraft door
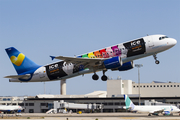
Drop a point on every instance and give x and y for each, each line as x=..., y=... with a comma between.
x=42, y=71
x=150, y=41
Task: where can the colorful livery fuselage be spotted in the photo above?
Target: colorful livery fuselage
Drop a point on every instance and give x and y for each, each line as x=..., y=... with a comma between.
x=118, y=57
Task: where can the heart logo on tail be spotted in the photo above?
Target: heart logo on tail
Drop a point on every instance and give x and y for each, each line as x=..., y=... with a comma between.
x=17, y=60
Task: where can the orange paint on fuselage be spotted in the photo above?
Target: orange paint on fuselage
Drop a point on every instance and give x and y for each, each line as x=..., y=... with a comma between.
x=97, y=54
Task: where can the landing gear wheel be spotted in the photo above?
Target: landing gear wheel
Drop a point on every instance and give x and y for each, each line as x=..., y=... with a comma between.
x=104, y=78
x=95, y=77
x=157, y=62
x=155, y=57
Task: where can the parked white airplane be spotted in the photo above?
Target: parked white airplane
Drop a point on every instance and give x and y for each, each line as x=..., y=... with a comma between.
x=152, y=110
x=118, y=57
x=10, y=108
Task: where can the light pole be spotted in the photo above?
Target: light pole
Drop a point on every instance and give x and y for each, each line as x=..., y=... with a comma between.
x=138, y=66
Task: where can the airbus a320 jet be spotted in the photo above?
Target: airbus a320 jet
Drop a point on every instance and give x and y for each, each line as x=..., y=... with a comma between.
x=117, y=57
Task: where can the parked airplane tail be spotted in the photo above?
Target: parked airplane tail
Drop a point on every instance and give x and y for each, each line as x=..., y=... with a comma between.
x=129, y=103
x=21, y=63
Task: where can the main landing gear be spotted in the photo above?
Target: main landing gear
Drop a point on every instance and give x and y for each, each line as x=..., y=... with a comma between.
x=95, y=77
x=156, y=61
x=103, y=78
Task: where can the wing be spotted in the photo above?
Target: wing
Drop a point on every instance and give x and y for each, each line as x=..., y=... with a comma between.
x=26, y=76
x=157, y=111
x=87, y=62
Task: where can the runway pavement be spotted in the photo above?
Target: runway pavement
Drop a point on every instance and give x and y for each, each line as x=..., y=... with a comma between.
x=90, y=116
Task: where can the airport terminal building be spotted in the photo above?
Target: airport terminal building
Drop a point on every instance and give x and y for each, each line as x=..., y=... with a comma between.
x=111, y=100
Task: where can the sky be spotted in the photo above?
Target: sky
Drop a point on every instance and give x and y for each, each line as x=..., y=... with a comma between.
x=40, y=28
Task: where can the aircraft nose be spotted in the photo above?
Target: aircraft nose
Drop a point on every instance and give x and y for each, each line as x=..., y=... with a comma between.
x=173, y=42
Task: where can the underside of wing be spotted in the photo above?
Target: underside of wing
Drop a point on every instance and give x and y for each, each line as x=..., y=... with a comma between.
x=77, y=59
x=26, y=76
x=83, y=61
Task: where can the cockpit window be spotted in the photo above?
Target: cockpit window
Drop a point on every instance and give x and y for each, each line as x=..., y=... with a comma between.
x=160, y=38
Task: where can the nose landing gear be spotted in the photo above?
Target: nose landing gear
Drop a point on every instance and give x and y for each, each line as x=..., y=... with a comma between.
x=156, y=61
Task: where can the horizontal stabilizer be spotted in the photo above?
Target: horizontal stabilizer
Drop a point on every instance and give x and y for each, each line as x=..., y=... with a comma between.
x=26, y=76
x=52, y=57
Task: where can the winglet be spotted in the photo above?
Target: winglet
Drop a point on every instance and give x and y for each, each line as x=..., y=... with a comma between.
x=52, y=57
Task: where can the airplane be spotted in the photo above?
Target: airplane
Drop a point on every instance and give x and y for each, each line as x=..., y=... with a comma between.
x=11, y=109
x=152, y=110
x=117, y=57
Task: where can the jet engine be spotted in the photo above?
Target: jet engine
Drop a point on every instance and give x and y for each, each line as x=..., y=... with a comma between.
x=113, y=63
x=166, y=113
x=126, y=66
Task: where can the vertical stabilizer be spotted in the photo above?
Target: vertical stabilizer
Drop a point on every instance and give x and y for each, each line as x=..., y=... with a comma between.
x=21, y=63
x=129, y=103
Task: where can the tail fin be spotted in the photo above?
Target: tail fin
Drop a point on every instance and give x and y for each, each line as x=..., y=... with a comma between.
x=20, y=62
x=129, y=103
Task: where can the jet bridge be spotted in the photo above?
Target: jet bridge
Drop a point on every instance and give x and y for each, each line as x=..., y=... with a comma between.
x=61, y=107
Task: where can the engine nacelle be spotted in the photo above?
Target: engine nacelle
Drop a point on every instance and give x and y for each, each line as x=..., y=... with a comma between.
x=126, y=66
x=113, y=63
x=166, y=112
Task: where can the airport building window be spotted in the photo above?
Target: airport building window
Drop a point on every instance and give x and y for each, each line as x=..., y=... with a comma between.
x=160, y=85
x=171, y=85
x=134, y=86
x=164, y=85
x=150, y=85
x=44, y=104
x=110, y=103
x=177, y=85
x=140, y=86
x=118, y=110
x=31, y=104
x=107, y=110
x=26, y=104
x=44, y=110
x=137, y=86
x=136, y=103
x=31, y=110
x=104, y=103
x=144, y=86
x=157, y=85
x=154, y=86
x=6, y=99
x=118, y=103
x=147, y=85
x=14, y=104
x=174, y=85
x=21, y=104
x=123, y=103
x=167, y=85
